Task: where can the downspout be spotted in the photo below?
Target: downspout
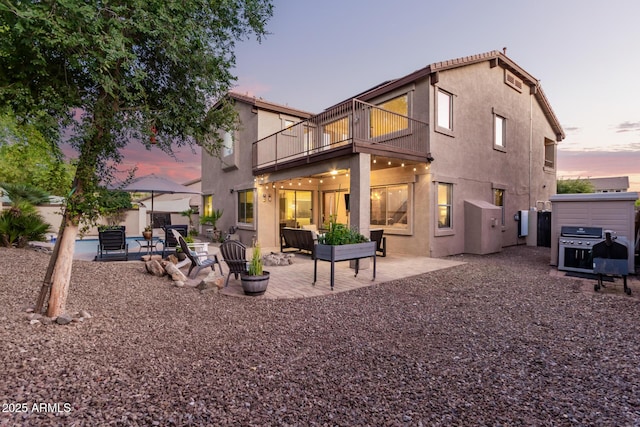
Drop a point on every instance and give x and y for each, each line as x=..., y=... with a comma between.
x=531, y=146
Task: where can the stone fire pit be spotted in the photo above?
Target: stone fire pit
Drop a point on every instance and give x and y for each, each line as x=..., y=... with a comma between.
x=278, y=258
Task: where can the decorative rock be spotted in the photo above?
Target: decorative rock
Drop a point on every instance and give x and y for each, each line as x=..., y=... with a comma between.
x=34, y=316
x=213, y=281
x=278, y=258
x=64, y=319
x=175, y=273
x=85, y=314
x=46, y=320
x=173, y=259
x=34, y=321
x=178, y=283
x=154, y=267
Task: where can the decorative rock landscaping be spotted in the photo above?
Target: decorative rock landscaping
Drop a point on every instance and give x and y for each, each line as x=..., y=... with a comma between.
x=496, y=341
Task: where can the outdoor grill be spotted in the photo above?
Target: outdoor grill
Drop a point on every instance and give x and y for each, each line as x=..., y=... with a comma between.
x=575, y=248
x=610, y=258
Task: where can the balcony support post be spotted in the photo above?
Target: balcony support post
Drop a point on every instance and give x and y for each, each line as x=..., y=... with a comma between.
x=359, y=190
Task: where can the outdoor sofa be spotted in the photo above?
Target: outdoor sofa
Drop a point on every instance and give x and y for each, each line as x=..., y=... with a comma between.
x=298, y=239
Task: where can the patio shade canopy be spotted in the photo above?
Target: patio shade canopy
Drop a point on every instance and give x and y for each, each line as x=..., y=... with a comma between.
x=155, y=184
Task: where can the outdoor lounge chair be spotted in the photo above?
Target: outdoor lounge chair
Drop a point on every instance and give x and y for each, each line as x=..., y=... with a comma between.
x=170, y=242
x=112, y=244
x=376, y=235
x=234, y=254
x=198, y=260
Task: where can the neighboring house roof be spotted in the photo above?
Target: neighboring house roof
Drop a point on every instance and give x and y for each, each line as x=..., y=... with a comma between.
x=192, y=182
x=498, y=58
x=620, y=183
x=270, y=106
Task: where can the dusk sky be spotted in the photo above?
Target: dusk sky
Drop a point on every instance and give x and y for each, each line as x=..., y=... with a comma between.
x=321, y=52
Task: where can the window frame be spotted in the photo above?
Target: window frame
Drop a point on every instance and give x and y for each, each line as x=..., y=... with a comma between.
x=438, y=128
x=503, y=193
x=330, y=143
x=295, y=192
x=241, y=221
x=375, y=117
x=550, y=143
x=390, y=229
x=502, y=145
x=207, y=204
x=444, y=231
x=226, y=150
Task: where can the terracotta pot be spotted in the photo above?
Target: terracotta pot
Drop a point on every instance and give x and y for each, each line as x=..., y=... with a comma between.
x=147, y=235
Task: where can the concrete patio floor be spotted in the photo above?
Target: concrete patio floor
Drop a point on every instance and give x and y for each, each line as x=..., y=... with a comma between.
x=296, y=280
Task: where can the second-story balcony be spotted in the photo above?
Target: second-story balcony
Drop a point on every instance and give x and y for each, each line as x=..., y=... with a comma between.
x=351, y=127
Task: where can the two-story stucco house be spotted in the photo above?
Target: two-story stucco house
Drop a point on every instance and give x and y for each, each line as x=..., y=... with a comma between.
x=443, y=159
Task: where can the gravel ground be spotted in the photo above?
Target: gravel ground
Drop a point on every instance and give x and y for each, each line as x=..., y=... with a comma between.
x=497, y=341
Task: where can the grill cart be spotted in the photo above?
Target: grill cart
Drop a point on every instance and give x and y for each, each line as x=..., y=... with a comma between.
x=610, y=258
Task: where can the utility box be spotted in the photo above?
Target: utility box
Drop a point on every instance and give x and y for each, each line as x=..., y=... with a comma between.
x=482, y=227
x=523, y=223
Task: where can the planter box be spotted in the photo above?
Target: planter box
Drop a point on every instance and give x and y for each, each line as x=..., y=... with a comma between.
x=337, y=253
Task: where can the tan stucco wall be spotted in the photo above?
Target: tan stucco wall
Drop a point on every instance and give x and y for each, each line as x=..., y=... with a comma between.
x=219, y=176
x=468, y=158
x=52, y=215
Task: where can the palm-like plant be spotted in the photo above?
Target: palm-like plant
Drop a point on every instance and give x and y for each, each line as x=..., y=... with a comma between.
x=25, y=193
x=21, y=224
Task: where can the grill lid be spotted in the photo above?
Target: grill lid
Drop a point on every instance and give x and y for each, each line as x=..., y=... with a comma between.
x=584, y=232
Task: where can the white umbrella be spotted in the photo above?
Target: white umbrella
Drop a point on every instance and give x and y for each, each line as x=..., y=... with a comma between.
x=155, y=184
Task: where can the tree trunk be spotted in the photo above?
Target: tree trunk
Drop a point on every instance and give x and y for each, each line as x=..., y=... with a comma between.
x=62, y=270
x=46, y=283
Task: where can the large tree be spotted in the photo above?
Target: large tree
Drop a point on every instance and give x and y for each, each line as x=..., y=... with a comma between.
x=117, y=70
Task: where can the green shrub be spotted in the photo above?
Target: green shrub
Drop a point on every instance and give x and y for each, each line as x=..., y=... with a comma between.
x=18, y=226
x=340, y=234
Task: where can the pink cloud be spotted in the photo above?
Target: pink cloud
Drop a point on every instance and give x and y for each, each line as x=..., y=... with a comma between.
x=251, y=87
x=184, y=167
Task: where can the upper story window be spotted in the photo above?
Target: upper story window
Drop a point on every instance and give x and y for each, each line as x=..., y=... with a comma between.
x=391, y=117
x=245, y=206
x=444, y=110
x=499, y=132
x=227, y=144
x=335, y=132
x=287, y=126
x=286, y=123
x=500, y=121
x=549, y=154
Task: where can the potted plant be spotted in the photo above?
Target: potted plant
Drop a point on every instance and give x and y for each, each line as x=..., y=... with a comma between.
x=147, y=233
x=255, y=280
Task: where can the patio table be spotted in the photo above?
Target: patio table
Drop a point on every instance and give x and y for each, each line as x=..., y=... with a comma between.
x=149, y=245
